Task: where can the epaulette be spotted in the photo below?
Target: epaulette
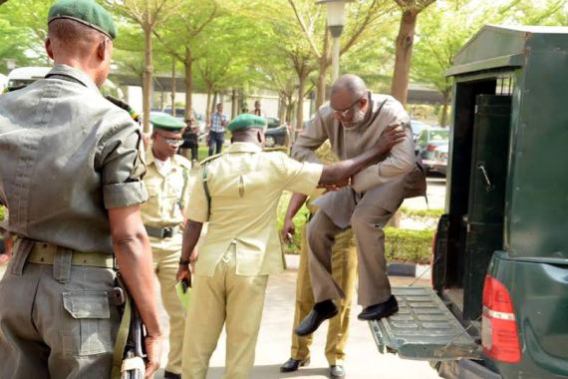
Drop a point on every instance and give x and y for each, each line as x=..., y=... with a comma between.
x=183, y=161
x=210, y=159
x=124, y=106
x=279, y=149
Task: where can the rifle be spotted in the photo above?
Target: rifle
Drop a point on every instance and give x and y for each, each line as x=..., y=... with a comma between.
x=129, y=360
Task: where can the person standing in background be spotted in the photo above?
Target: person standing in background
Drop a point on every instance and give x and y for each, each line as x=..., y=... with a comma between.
x=217, y=131
x=167, y=180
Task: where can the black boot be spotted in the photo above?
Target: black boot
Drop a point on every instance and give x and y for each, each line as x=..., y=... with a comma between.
x=378, y=311
x=293, y=364
x=171, y=375
x=321, y=312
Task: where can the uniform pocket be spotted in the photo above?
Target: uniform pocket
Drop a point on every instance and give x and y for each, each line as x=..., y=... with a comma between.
x=87, y=327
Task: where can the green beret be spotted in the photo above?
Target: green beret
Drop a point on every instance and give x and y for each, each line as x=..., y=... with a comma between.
x=247, y=121
x=87, y=12
x=166, y=122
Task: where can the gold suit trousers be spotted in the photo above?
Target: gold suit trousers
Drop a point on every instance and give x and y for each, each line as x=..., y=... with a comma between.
x=344, y=272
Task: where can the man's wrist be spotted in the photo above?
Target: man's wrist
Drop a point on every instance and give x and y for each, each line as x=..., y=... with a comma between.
x=184, y=262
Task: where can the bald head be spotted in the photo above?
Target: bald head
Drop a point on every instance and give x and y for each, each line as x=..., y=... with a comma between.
x=350, y=84
x=349, y=100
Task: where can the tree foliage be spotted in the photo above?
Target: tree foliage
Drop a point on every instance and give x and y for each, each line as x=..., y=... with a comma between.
x=282, y=45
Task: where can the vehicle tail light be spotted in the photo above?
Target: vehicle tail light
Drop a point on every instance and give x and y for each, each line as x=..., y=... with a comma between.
x=431, y=147
x=499, y=334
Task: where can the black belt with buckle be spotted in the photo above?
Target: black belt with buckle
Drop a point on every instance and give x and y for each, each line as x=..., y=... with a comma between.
x=162, y=233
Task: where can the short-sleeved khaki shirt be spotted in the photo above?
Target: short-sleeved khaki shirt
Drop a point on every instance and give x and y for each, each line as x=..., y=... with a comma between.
x=245, y=186
x=66, y=156
x=167, y=197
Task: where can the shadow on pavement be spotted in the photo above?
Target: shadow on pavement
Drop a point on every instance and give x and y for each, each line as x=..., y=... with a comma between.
x=273, y=372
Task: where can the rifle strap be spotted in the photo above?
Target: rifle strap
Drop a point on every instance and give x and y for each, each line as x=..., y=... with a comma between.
x=121, y=339
x=206, y=189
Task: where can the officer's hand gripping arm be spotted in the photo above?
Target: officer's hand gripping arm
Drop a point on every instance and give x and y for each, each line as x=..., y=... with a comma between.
x=338, y=172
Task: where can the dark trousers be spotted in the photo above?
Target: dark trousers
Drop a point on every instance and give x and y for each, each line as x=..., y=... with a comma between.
x=191, y=152
x=216, y=140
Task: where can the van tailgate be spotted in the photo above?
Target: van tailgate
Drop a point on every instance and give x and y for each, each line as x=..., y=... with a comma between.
x=423, y=328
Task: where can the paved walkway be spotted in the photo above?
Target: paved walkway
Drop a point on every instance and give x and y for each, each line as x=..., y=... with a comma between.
x=363, y=359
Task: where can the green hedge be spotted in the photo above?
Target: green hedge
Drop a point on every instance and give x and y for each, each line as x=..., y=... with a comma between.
x=403, y=245
x=421, y=213
x=1, y=213
x=299, y=222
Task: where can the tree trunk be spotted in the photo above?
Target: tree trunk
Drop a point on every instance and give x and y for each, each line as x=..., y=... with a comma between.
x=213, y=107
x=188, y=81
x=173, y=94
x=208, y=107
x=289, y=108
x=403, y=55
x=322, y=77
x=147, y=84
x=445, y=106
x=281, y=107
x=300, y=111
x=234, y=104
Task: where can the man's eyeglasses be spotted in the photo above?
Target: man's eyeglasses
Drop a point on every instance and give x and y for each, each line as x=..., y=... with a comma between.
x=175, y=142
x=345, y=112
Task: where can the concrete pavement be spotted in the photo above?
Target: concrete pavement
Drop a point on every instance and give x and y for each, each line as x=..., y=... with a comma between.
x=363, y=359
x=436, y=196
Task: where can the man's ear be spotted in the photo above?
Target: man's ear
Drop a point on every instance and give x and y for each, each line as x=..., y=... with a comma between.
x=364, y=101
x=49, y=48
x=260, y=136
x=102, y=49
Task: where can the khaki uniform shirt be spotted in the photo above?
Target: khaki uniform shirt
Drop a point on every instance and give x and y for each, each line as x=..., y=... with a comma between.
x=66, y=156
x=167, y=197
x=245, y=186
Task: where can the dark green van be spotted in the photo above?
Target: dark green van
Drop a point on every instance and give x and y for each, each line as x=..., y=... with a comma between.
x=499, y=304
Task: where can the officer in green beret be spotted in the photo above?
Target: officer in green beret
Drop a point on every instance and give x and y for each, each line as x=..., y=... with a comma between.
x=167, y=180
x=237, y=193
x=71, y=167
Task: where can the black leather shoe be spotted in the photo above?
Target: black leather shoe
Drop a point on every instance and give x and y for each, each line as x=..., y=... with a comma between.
x=378, y=311
x=171, y=375
x=336, y=372
x=293, y=364
x=321, y=312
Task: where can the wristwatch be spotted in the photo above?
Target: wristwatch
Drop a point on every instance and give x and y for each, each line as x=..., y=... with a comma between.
x=184, y=262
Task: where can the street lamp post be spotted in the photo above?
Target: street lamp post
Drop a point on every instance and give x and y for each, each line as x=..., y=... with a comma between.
x=335, y=22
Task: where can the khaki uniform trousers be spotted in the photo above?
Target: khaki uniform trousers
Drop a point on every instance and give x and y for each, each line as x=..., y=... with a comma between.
x=344, y=271
x=55, y=319
x=166, y=254
x=224, y=298
x=372, y=211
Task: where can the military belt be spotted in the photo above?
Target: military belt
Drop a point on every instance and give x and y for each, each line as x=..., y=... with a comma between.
x=44, y=253
x=162, y=233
